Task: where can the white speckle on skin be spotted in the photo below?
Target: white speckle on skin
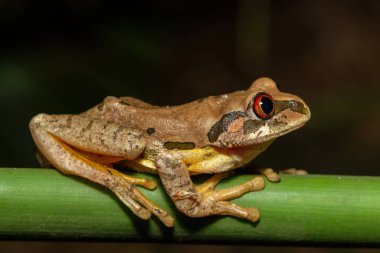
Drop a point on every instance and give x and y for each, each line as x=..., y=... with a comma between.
x=262, y=131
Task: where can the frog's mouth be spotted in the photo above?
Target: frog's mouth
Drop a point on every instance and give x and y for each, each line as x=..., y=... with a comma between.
x=257, y=139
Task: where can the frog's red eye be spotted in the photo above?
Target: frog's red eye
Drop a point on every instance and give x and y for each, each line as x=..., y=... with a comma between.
x=263, y=106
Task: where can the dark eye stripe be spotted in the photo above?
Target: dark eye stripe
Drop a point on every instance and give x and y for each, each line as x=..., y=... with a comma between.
x=222, y=125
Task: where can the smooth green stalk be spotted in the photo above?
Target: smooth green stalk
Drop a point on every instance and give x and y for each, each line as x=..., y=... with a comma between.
x=44, y=204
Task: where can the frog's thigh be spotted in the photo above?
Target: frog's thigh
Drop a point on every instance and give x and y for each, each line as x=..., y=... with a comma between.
x=202, y=201
x=67, y=160
x=94, y=135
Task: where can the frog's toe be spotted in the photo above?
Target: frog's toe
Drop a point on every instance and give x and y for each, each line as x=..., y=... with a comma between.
x=148, y=184
x=227, y=208
x=270, y=175
x=123, y=192
x=168, y=221
x=144, y=214
x=293, y=171
x=253, y=214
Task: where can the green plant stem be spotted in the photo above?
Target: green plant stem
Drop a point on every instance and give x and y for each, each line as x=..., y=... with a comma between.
x=314, y=209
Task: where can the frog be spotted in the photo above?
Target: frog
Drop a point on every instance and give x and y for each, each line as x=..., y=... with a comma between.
x=213, y=135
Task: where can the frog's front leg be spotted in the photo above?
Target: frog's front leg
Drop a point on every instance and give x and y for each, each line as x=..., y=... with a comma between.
x=203, y=200
x=67, y=141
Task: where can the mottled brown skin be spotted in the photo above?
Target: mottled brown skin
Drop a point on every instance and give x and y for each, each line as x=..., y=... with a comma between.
x=210, y=135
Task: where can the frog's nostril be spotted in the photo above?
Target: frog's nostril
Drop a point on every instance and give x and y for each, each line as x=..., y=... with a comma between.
x=292, y=104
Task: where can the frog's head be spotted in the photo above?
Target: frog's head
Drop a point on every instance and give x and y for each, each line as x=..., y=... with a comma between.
x=262, y=114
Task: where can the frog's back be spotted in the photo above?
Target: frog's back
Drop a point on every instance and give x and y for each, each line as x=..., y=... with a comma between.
x=186, y=125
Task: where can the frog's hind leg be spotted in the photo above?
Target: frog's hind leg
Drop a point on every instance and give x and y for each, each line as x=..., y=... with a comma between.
x=66, y=159
x=203, y=200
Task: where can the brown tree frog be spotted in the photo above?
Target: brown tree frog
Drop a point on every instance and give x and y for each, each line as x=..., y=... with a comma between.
x=212, y=135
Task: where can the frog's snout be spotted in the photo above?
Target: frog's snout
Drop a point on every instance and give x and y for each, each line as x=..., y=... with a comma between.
x=300, y=107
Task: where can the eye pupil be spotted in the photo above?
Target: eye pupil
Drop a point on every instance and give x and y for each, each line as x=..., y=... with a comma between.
x=266, y=105
x=263, y=106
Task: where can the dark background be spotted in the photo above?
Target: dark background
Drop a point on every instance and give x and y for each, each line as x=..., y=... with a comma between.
x=66, y=56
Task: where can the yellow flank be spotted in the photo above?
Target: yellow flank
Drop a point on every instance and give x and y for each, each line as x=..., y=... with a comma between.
x=198, y=161
x=140, y=165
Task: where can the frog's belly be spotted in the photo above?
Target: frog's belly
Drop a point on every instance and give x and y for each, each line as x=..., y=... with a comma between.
x=202, y=160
